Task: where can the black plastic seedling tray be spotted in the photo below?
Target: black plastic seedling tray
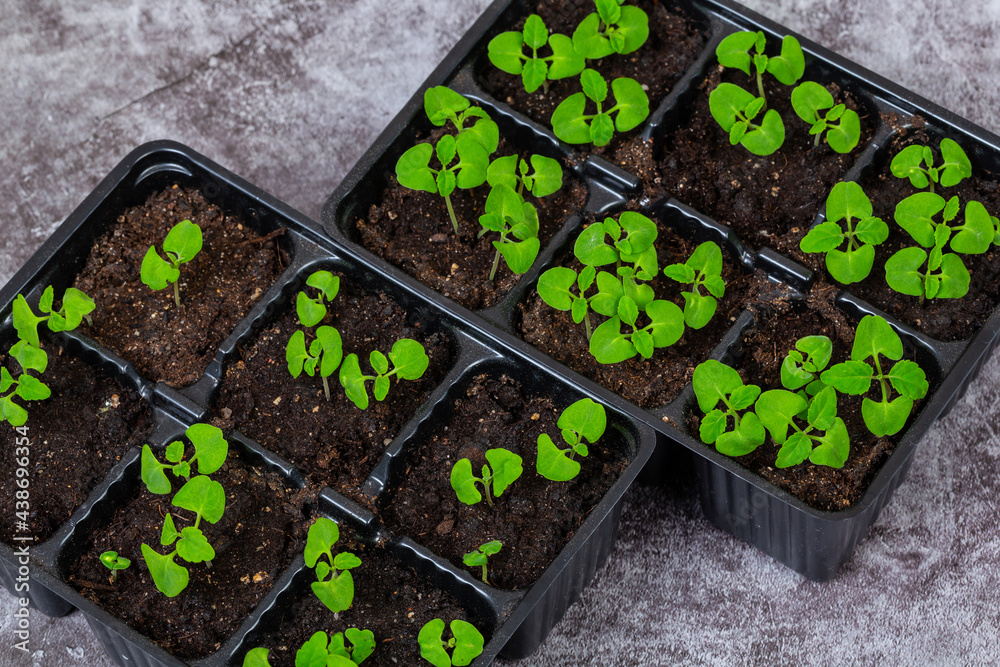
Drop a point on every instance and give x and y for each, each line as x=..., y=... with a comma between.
x=513, y=622
x=813, y=542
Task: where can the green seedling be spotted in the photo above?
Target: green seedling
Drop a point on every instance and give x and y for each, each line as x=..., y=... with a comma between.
x=409, y=361
x=323, y=651
x=917, y=164
x=632, y=237
x=702, y=269
x=324, y=354
x=502, y=470
x=937, y=274
x=842, y=125
x=312, y=310
x=823, y=440
x=200, y=494
x=542, y=178
x=517, y=223
x=613, y=28
x=114, y=562
x=26, y=387
x=610, y=344
x=471, y=147
x=76, y=307
x=466, y=643
x=714, y=382
x=802, y=366
x=743, y=50
x=181, y=245
x=735, y=110
x=334, y=585
x=506, y=52
x=582, y=422
x=479, y=557
x=572, y=124
x=848, y=219
x=875, y=340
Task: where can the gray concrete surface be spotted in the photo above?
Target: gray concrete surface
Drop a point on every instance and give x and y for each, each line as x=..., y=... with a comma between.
x=289, y=93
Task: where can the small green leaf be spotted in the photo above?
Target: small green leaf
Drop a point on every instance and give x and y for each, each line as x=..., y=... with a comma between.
x=519, y=256
x=588, y=40
x=322, y=536
x=875, y=336
x=568, y=122
x=843, y=137
x=734, y=50
x=956, y=165
x=631, y=102
x=915, y=214
x=175, y=451
x=850, y=377
x=13, y=413
x=976, y=235
x=602, y=129
x=256, y=658
x=169, y=577
x=168, y=533
x=794, y=451
x=776, y=409
x=32, y=389
x=902, y=271
x=506, y=467
x=346, y=561
x=824, y=237
x=210, y=447
x=409, y=359
x=353, y=381
x=554, y=463
x=183, y=241
x=548, y=175
x=594, y=86
x=768, y=138
x=464, y=483
x=908, y=379
x=441, y=104
x=666, y=323
x=808, y=99
x=554, y=287
x=790, y=65
x=713, y=381
x=834, y=446
x=155, y=272
x=851, y=266
x=193, y=546
x=747, y=437
x=468, y=643
x=337, y=593
x=823, y=409
x=203, y=496
x=585, y=417
x=886, y=418
x=566, y=62
x=506, y=52
x=152, y=473
x=413, y=169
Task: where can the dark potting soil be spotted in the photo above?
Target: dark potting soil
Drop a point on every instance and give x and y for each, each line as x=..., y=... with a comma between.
x=217, y=288
x=333, y=442
x=534, y=518
x=649, y=383
x=768, y=201
x=674, y=42
x=412, y=229
x=944, y=319
x=765, y=346
x=76, y=436
x=389, y=599
x=258, y=536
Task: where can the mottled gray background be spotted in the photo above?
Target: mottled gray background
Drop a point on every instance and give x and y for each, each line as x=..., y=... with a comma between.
x=288, y=94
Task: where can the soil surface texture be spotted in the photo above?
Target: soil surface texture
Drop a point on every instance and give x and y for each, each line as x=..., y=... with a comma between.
x=217, y=288
x=653, y=382
x=76, y=435
x=258, y=536
x=765, y=346
x=675, y=40
x=767, y=200
x=412, y=229
x=944, y=319
x=389, y=599
x=333, y=442
x=534, y=518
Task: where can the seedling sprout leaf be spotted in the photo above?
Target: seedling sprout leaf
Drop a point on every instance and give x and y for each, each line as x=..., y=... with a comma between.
x=169, y=577
x=152, y=473
x=193, y=546
x=322, y=536
x=506, y=467
x=554, y=463
x=210, y=447
x=203, y=496
x=464, y=483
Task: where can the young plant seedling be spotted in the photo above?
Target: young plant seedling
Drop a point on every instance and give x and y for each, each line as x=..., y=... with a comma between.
x=743, y=50
x=572, y=124
x=823, y=440
x=76, y=307
x=736, y=109
x=200, y=494
x=466, y=643
x=502, y=470
x=334, y=585
x=842, y=125
x=803, y=365
x=583, y=421
x=114, y=562
x=543, y=177
x=848, y=203
x=324, y=354
x=702, y=269
x=409, y=361
x=472, y=148
x=312, y=310
x=479, y=557
x=26, y=386
x=715, y=382
x=875, y=339
x=323, y=651
x=182, y=244
x=510, y=216
x=613, y=28
x=610, y=344
x=506, y=52
x=917, y=164
x=945, y=275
